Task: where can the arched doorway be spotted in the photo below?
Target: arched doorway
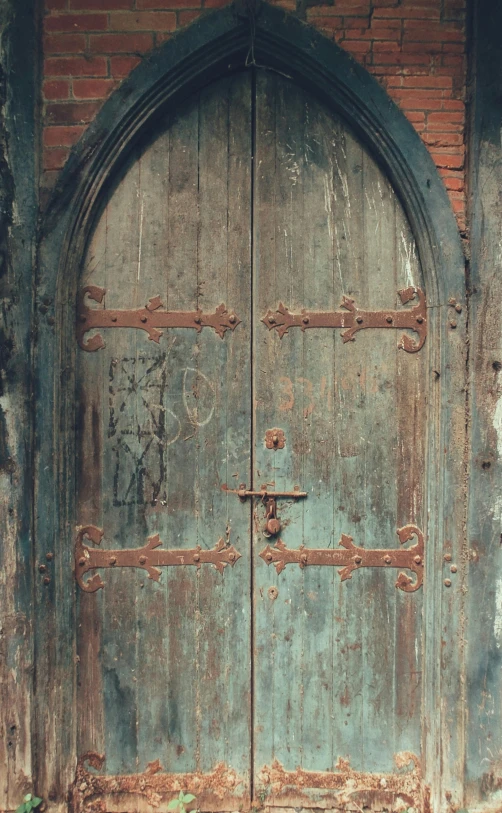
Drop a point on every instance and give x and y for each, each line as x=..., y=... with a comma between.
x=292, y=686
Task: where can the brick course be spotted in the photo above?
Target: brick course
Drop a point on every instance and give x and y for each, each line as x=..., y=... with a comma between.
x=415, y=48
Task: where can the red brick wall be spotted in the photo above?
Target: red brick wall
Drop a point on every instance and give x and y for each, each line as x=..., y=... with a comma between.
x=416, y=49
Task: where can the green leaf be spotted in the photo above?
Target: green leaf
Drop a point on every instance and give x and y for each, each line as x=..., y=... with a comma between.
x=22, y=809
x=173, y=805
x=27, y=798
x=36, y=801
x=180, y=797
x=188, y=798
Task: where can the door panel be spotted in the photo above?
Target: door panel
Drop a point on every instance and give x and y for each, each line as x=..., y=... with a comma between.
x=337, y=665
x=251, y=684
x=162, y=427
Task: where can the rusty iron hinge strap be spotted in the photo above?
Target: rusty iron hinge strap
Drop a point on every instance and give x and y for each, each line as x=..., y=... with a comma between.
x=355, y=319
x=148, y=558
x=150, y=318
x=351, y=557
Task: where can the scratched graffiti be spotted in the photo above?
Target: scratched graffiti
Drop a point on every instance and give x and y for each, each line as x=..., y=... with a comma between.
x=142, y=426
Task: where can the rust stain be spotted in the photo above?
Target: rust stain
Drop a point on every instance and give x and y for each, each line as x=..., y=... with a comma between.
x=90, y=791
x=353, y=557
x=356, y=319
x=349, y=789
x=150, y=318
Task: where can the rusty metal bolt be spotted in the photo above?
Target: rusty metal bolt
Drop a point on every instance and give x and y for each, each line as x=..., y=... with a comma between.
x=453, y=324
x=47, y=580
x=113, y=560
x=114, y=318
x=144, y=319
x=271, y=319
x=447, y=557
x=453, y=569
x=420, y=319
x=447, y=582
x=359, y=319
x=303, y=558
x=275, y=439
x=418, y=560
x=387, y=560
x=358, y=560
x=389, y=319
x=42, y=568
x=232, y=319
x=49, y=556
x=142, y=560
x=458, y=307
x=81, y=561
x=305, y=320
x=231, y=556
x=269, y=557
x=197, y=320
x=196, y=557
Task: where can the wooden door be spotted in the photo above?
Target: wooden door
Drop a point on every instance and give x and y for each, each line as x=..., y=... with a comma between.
x=212, y=658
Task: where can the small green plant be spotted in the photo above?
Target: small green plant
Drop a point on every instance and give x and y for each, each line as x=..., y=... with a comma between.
x=176, y=804
x=29, y=803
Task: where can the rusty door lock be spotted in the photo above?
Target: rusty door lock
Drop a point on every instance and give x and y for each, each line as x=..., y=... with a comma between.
x=272, y=525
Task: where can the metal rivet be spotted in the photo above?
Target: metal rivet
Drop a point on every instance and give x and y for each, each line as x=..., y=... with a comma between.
x=453, y=324
x=197, y=320
x=142, y=560
x=269, y=557
x=418, y=560
x=113, y=560
x=447, y=557
x=231, y=556
x=143, y=319
x=388, y=319
x=275, y=439
x=49, y=557
x=81, y=561
x=232, y=319
x=359, y=319
x=303, y=558
x=458, y=307
x=196, y=557
x=271, y=319
x=42, y=568
x=420, y=319
x=453, y=568
x=305, y=320
x=358, y=560
x=447, y=582
x=114, y=318
x=387, y=560
x=273, y=593
x=47, y=580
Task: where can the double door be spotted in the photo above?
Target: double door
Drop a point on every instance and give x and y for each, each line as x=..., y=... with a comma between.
x=251, y=468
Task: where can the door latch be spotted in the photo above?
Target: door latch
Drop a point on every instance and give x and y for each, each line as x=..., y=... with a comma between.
x=269, y=498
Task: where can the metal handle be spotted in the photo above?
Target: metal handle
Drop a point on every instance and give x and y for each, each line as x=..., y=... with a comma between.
x=243, y=493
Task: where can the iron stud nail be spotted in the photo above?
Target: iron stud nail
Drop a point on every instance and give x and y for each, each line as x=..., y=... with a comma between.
x=231, y=556
x=359, y=319
x=420, y=319
x=197, y=320
x=388, y=319
x=453, y=324
x=196, y=557
x=42, y=568
x=275, y=439
x=143, y=318
x=47, y=580
x=417, y=560
x=49, y=557
x=447, y=557
x=114, y=318
x=142, y=560
x=305, y=320
x=358, y=560
x=81, y=561
x=303, y=558
x=447, y=582
x=271, y=319
x=458, y=308
x=387, y=560
x=113, y=560
x=453, y=568
x=232, y=319
x=269, y=557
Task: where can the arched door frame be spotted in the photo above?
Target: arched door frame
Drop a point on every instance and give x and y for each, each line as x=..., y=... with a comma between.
x=210, y=48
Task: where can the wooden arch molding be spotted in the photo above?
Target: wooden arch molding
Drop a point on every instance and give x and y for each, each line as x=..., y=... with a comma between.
x=205, y=51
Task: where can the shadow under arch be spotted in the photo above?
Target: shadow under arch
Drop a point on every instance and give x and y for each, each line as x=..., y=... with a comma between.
x=210, y=48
